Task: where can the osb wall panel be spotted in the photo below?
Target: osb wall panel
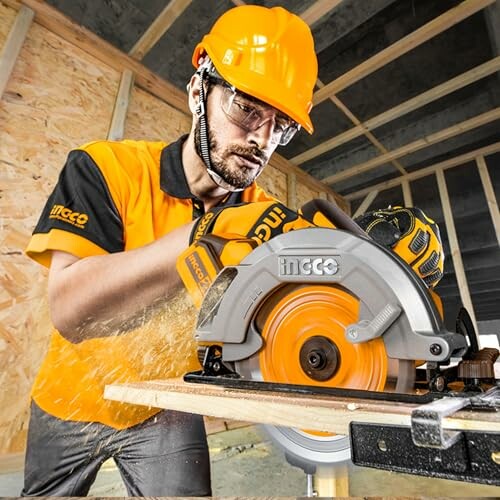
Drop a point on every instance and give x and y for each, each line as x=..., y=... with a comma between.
x=150, y=119
x=305, y=193
x=7, y=16
x=274, y=182
x=57, y=98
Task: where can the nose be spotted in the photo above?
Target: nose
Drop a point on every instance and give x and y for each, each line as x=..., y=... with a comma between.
x=263, y=135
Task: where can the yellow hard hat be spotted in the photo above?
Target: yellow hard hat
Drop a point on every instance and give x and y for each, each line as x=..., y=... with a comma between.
x=267, y=53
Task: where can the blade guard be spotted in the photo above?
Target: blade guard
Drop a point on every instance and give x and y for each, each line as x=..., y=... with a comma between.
x=376, y=276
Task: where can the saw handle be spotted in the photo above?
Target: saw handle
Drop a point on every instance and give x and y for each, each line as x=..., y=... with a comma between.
x=324, y=213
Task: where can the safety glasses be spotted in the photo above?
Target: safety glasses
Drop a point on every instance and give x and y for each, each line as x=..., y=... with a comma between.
x=247, y=113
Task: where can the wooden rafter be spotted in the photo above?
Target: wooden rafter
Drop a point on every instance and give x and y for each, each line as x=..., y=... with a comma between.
x=424, y=172
x=402, y=109
x=414, y=146
x=159, y=26
x=354, y=119
x=397, y=49
x=13, y=44
x=318, y=9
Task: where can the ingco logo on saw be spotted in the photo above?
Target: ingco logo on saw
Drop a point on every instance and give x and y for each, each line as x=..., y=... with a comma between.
x=305, y=266
x=77, y=219
x=198, y=271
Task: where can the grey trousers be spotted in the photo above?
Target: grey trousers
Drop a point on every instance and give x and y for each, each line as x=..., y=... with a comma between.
x=167, y=455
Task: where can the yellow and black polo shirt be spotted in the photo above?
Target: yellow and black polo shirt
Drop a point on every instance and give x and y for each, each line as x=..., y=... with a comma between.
x=113, y=197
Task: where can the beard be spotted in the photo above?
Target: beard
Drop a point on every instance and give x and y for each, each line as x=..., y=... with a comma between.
x=239, y=178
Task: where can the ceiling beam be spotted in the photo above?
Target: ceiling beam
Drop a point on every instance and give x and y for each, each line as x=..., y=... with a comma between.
x=354, y=119
x=456, y=83
x=318, y=9
x=424, y=172
x=431, y=29
x=429, y=140
x=158, y=28
x=13, y=44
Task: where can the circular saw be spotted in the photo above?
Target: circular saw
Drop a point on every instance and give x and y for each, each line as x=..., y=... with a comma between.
x=319, y=308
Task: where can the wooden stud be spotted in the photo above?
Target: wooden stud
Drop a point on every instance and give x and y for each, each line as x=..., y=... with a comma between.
x=365, y=204
x=431, y=29
x=456, y=256
x=490, y=194
x=407, y=197
x=13, y=44
x=318, y=9
x=442, y=135
x=117, y=126
x=159, y=26
x=291, y=190
x=402, y=109
x=424, y=172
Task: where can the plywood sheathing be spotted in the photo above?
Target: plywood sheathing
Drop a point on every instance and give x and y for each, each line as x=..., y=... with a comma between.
x=41, y=119
x=154, y=120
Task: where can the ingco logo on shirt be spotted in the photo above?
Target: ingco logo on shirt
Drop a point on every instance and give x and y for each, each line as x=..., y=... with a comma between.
x=77, y=219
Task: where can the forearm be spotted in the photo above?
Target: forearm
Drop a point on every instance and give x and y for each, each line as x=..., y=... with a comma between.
x=103, y=295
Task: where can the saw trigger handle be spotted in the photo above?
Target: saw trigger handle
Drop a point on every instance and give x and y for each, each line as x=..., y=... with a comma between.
x=200, y=263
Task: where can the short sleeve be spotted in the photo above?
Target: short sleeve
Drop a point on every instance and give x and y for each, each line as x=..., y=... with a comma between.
x=80, y=216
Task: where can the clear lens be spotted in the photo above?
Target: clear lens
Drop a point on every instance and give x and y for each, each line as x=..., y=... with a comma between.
x=246, y=113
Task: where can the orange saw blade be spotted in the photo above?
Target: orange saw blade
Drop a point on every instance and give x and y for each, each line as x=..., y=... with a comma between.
x=305, y=343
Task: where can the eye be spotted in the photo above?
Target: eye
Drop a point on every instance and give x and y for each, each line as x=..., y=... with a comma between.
x=245, y=107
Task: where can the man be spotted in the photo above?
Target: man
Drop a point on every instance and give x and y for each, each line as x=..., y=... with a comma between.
x=111, y=232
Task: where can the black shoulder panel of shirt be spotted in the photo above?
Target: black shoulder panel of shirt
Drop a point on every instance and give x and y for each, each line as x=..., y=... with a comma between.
x=82, y=204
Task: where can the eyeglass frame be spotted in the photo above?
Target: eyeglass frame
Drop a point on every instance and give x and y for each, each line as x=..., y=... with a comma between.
x=294, y=127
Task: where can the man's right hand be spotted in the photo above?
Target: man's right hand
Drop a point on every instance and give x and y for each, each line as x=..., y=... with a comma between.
x=259, y=221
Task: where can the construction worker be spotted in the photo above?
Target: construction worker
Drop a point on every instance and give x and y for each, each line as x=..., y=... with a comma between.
x=110, y=233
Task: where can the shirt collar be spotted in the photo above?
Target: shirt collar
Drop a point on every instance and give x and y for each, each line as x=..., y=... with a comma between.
x=172, y=177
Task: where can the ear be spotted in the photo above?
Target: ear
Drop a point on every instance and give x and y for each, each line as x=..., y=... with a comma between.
x=193, y=89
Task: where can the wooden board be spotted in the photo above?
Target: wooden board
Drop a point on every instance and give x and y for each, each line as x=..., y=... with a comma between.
x=311, y=412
